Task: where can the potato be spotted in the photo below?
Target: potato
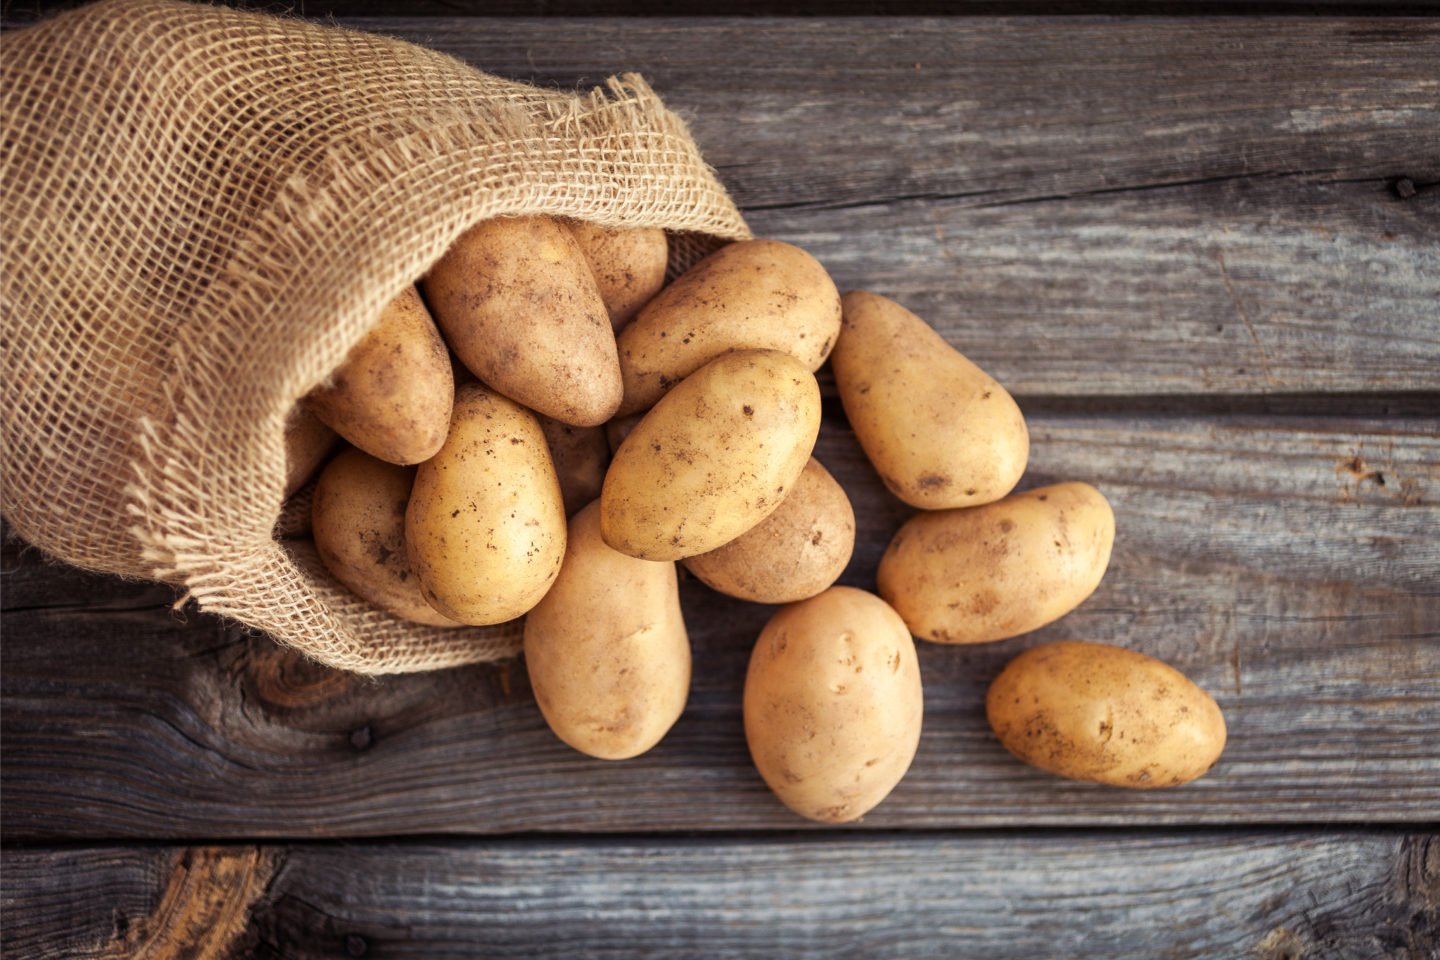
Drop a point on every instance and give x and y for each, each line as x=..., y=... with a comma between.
x=307, y=443
x=519, y=304
x=392, y=396
x=713, y=458
x=606, y=649
x=833, y=704
x=997, y=571
x=1089, y=711
x=756, y=294
x=794, y=553
x=580, y=456
x=939, y=430
x=485, y=529
x=358, y=521
x=629, y=265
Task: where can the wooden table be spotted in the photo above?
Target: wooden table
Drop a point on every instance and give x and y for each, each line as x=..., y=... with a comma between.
x=1205, y=256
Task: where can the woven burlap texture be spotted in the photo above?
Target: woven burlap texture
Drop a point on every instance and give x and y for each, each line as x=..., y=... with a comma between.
x=203, y=210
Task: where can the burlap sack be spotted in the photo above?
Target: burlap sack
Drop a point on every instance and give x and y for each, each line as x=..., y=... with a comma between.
x=203, y=210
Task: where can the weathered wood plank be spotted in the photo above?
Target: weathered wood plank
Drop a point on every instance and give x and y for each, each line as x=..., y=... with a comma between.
x=1288, y=565
x=1174, y=895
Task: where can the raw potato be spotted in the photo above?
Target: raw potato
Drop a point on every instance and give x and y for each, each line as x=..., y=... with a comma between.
x=1089, y=711
x=580, y=456
x=611, y=676
x=713, y=458
x=796, y=552
x=941, y=432
x=392, y=396
x=485, y=529
x=307, y=443
x=519, y=305
x=997, y=571
x=833, y=704
x=629, y=265
x=756, y=294
x=358, y=520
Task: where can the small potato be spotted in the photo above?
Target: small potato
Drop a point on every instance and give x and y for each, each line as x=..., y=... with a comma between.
x=756, y=294
x=519, y=305
x=941, y=432
x=392, y=396
x=1089, y=711
x=485, y=528
x=833, y=704
x=629, y=265
x=307, y=443
x=580, y=456
x=358, y=521
x=997, y=571
x=713, y=458
x=796, y=552
x=610, y=675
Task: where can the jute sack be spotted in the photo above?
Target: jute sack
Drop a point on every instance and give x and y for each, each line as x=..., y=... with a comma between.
x=203, y=210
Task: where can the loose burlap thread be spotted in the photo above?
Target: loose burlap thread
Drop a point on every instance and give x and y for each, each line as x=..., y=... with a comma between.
x=203, y=211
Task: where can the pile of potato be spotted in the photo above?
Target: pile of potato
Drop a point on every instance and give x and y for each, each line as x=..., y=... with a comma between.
x=676, y=423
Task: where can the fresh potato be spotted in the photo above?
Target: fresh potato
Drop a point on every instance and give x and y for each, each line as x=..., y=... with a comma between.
x=796, y=552
x=580, y=456
x=997, y=571
x=519, y=304
x=833, y=704
x=939, y=430
x=358, y=521
x=307, y=443
x=713, y=458
x=485, y=529
x=606, y=649
x=1089, y=711
x=392, y=396
x=756, y=294
x=629, y=265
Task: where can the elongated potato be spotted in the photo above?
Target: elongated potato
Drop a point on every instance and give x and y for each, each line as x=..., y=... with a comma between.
x=941, y=432
x=392, y=396
x=485, y=528
x=833, y=704
x=629, y=265
x=796, y=552
x=358, y=521
x=611, y=677
x=713, y=458
x=307, y=443
x=1089, y=711
x=580, y=456
x=519, y=305
x=997, y=571
x=756, y=294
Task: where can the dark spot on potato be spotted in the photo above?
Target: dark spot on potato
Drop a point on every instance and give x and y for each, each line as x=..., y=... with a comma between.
x=515, y=440
x=1007, y=525
x=985, y=395
x=816, y=538
x=970, y=491
x=933, y=481
x=1043, y=497
x=454, y=514
x=749, y=410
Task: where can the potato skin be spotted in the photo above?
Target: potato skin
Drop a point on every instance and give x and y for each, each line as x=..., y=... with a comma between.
x=580, y=456
x=358, y=521
x=833, y=704
x=714, y=458
x=307, y=443
x=796, y=552
x=518, y=303
x=629, y=265
x=392, y=396
x=755, y=294
x=941, y=432
x=610, y=677
x=485, y=528
x=1089, y=711
x=1000, y=570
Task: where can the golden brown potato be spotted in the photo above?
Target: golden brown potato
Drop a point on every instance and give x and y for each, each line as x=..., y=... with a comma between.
x=796, y=552
x=756, y=294
x=307, y=443
x=713, y=458
x=485, y=529
x=1089, y=711
x=833, y=704
x=629, y=265
x=580, y=456
x=358, y=521
x=941, y=432
x=606, y=649
x=519, y=305
x=997, y=571
x=392, y=396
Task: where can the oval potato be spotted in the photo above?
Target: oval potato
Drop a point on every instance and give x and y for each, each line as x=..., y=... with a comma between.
x=307, y=443
x=580, y=456
x=997, y=571
x=629, y=265
x=833, y=704
x=1089, y=711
